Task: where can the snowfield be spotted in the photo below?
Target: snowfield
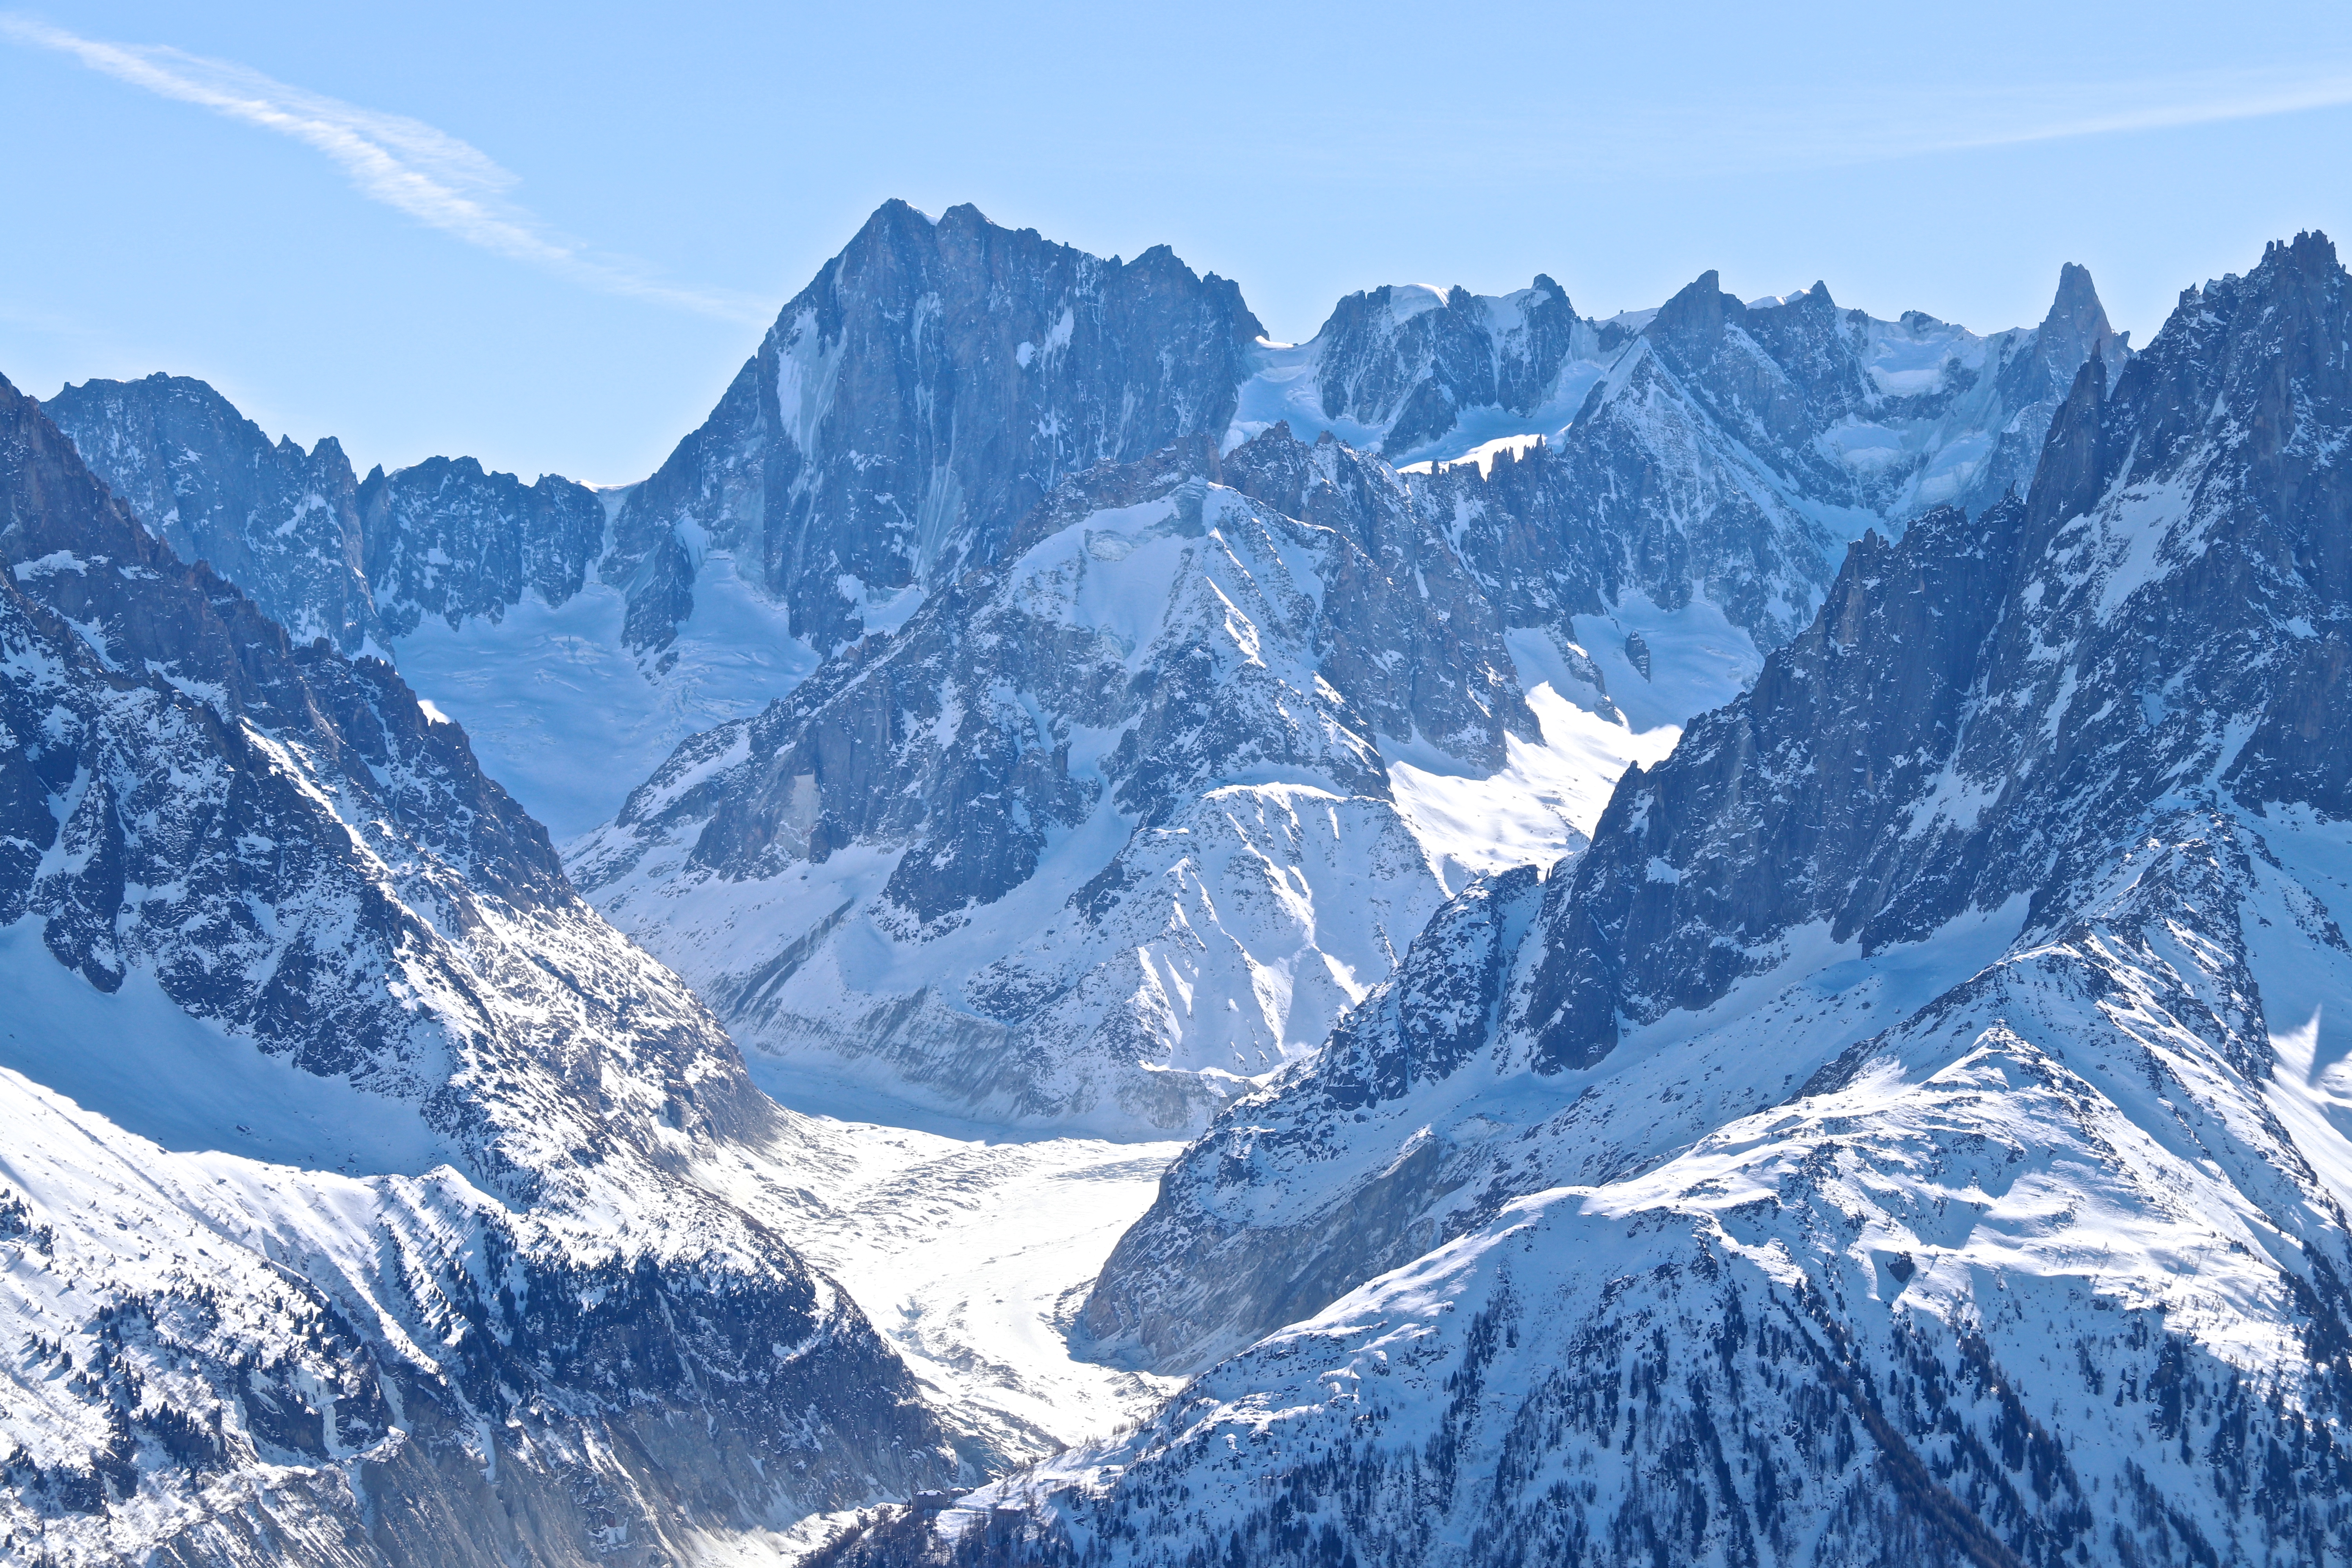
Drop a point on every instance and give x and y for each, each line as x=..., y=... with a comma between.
x=972, y=1252
x=1714, y=936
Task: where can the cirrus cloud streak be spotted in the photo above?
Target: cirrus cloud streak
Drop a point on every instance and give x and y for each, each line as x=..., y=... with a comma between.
x=416, y=169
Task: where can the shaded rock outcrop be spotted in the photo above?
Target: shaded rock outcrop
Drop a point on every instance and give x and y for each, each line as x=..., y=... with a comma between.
x=913, y=402
x=358, y=1177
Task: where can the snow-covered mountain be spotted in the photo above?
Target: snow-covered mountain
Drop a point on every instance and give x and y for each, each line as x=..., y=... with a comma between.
x=1101, y=832
x=939, y=378
x=1001, y=905
x=910, y=406
x=364, y=1195
x=1916, y=1126
x=1916, y=1129
x=916, y=401
x=1594, y=593
x=1727, y=452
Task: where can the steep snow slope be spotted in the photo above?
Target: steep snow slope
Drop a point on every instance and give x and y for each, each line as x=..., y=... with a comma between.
x=1738, y=446
x=1097, y=837
x=1615, y=698
x=220, y=1360
x=259, y=908
x=540, y=687
x=1912, y=1131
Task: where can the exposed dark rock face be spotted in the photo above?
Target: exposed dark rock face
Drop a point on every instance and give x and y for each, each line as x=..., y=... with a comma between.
x=282, y=525
x=1966, y=719
x=517, y=1326
x=444, y=538
x=1850, y=1085
x=1900, y=1137
x=914, y=402
x=315, y=551
x=1407, y=361
x=1163, y=661
x=2034, y=383
x=1932, y=744
x=936, y=379
x=1877, y=731
x=1430, y=662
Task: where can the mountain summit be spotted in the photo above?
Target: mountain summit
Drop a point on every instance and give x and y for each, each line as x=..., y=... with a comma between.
x=908, y=406
x=1917, y=1123
x=1710, y=936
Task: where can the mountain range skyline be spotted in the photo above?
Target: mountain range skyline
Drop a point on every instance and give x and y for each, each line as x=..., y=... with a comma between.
x=1981, y=142
x=1711, y=933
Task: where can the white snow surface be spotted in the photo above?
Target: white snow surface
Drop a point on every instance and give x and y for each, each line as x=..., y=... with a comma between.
x=568, y=719
x=184, y=1083
x=2068, y=1175
x=1549, y=795
x=970, y=1251
x=1481, y=456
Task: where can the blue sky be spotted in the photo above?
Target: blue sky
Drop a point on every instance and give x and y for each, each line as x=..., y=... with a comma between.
x=548, y=235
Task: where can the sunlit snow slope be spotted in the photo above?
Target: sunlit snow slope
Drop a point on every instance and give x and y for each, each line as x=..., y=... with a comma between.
x=1915, y=1130
x=1096, y=838
x=356, y=1178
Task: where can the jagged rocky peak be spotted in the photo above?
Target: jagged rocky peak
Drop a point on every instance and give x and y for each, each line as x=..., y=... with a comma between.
x=445, y=539
x=282, y=525
x=914, y=402
x=2179, y=538
x=1777, y=377
x=1105, y=829
x=358, y=562
x=1406, y=365
x=360, y=1170
x=1904, y=411
x=2076, y=327
x=1890, y=1039
x=1731, y=449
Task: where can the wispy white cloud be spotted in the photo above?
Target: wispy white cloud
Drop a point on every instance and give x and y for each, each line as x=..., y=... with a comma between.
x=2017, y=117
x=432, y=176
x=1635, y=128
